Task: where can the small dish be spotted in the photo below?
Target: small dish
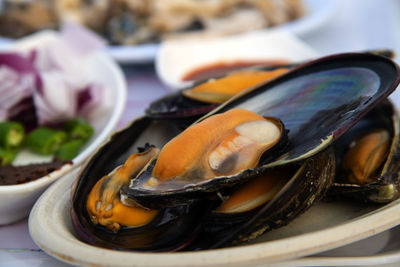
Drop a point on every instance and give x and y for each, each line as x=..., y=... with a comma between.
x=325, y=226
x=177, y=58
x=17, y=200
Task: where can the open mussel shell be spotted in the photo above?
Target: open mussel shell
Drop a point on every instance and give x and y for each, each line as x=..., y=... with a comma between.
x=383, y=184
x=320, y=100
x=170, y=229
x=180, y=104
x=317, y=103
x=203, y=96
x=306, y=182
x=176, y=105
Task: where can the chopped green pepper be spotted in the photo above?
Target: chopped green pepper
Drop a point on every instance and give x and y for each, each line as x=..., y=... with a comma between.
x=69, y=150
x=45, y=141
x=78, y=129
x=11, y=134
x=7, y=156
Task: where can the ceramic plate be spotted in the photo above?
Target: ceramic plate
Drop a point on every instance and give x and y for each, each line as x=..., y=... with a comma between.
x=177, y=58
x=325, y=226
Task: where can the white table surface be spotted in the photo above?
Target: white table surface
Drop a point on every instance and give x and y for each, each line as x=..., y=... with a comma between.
x=358, y=25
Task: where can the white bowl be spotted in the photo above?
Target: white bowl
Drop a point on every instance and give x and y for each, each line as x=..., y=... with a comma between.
x=16, y=201
x=176, y=58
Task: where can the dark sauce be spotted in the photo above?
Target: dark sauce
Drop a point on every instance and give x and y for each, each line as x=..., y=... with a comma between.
x=221, y=68
x=12, y=175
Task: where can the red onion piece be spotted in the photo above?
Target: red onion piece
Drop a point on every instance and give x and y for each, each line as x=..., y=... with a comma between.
x=19, y=79
x=48, y=85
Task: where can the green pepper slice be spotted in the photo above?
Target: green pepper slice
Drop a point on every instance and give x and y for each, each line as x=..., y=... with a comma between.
x=45, y=141
x=78, y=129
x=7, y=156
x=11, y=134
x=69, y=150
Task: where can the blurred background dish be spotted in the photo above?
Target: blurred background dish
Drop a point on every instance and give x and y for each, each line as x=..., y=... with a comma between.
x=16, y=200
x=317, y=13
x=134, y=28
x=179, y=63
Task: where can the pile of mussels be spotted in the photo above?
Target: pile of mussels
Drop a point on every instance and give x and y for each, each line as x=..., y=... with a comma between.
x=215, y=165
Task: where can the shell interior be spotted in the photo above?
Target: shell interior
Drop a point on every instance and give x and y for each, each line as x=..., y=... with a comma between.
x=384, y=184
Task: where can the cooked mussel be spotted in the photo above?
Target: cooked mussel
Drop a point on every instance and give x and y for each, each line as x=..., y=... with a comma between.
x=222, y=145
x=189, y=187
x=101, y=216
x=268, y=201
x=316, y=102
x=104, y=203
x=204, y=96
x=368, y=157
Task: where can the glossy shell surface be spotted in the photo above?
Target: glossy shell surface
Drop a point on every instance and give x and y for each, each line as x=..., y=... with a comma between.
x=317, y=102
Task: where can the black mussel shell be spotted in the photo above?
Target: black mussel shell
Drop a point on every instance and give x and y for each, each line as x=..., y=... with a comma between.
x=386, y=185
x=317, y=102
x=175, y=105
x=308, y=183
x=171, y=229
x=320, y=100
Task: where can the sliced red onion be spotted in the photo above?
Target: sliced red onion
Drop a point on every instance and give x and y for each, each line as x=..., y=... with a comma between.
x=57, y=101
x=14, y=86
x=19, y=79
x=17, y=62
x=89, y=99
x=52, y=77
x=62, y=67
x=88, y=43
x=24, y=112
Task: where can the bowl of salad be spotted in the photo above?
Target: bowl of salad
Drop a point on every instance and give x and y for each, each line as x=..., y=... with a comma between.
x=61, y=98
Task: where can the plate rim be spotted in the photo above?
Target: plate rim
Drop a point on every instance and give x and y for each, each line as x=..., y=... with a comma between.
x=291, y=249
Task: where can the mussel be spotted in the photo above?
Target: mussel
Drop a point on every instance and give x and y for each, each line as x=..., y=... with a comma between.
x=222, y=145
x=195, y=101
x=121, y=226
x=285, y=126
x=368, y=157
x=269, y=201
x=205, y=95
x=317, y=102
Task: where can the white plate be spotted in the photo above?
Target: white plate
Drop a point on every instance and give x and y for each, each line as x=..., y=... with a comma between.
x=323, y=227
x=177, y=58
x=17, y=200
x=319, y=13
